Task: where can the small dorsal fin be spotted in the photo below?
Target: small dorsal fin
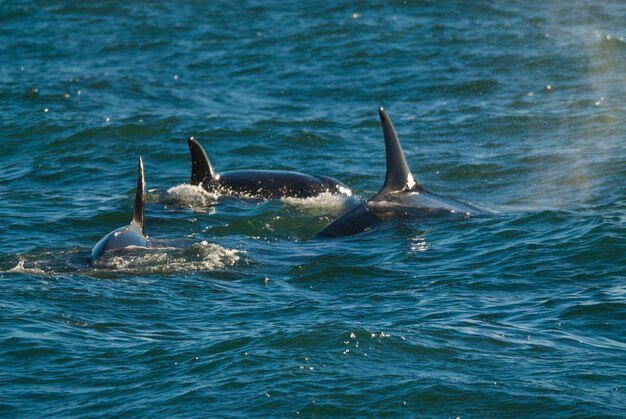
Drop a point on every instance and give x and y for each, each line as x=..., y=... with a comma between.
x=138, y=208
x=201, y=169
x=398, y=175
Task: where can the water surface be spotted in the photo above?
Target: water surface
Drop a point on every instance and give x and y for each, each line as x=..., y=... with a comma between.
x=514, y=106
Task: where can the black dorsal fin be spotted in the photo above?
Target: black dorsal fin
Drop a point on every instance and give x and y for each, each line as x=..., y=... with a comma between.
x=398, y=177
x=201, y=169
x=138, y=208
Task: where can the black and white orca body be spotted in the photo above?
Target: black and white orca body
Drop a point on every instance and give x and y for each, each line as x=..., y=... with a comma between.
x=258, y=184
x=400, y=197
x=130, y=235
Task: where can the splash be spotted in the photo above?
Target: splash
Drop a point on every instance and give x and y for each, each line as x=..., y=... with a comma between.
x=325, y=200
x=19, y=268
x=203, y=256
x=192, y=196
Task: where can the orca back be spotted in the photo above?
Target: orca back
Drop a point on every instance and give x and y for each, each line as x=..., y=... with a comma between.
x=258, y=184
x=400, y=196
x=132, y=234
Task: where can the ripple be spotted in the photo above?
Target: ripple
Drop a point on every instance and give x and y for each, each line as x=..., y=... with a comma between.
x=521, y=311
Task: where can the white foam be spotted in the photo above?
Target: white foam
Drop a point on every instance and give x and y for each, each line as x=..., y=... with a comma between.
x=203, y=256
x=19, y=268
x=193, y=196
x=323, y=200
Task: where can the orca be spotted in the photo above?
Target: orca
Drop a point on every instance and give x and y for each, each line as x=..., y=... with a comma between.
x=258, y=184
x=131, y=235
x=400, y=197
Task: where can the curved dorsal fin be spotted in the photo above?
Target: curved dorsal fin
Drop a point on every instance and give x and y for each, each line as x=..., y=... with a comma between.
x=398, y=175
x=138, y=208
x=201, y=169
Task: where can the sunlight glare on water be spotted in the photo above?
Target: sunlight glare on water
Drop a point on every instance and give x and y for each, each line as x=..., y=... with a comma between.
x=517, y=107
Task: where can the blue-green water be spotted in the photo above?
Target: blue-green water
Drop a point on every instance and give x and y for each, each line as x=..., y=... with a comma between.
x=516, y=106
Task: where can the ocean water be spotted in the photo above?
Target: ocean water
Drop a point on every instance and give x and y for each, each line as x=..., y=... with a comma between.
x=515, y=106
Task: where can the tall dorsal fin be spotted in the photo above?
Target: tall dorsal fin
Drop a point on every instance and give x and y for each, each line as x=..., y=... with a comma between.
x=201, y=169
x=398, y=175
x=138, y=208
